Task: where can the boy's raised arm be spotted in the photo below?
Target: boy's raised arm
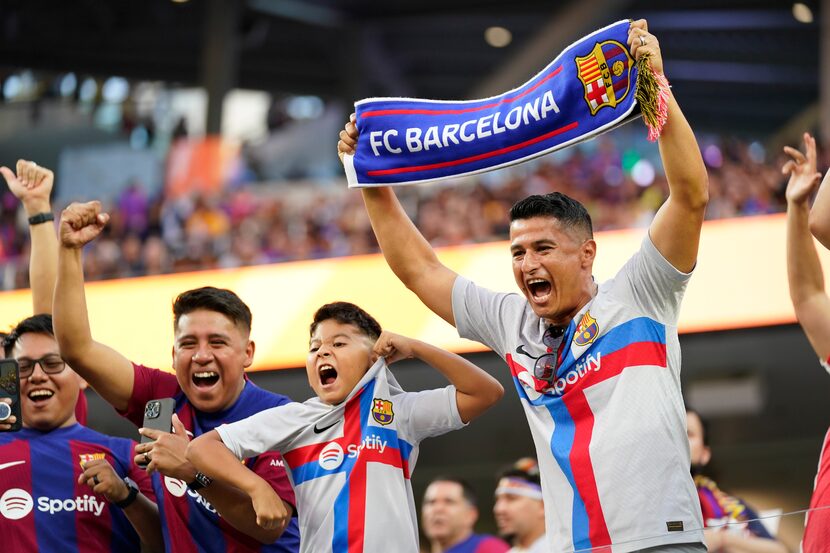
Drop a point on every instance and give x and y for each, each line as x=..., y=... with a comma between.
x=476, y=391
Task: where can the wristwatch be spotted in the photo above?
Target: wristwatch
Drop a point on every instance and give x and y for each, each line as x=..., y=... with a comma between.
x=41, y=218
x=132, y=493
x=201, y=480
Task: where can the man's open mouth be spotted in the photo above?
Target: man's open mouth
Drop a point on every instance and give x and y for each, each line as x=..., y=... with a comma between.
x=328, y=374
x=40, y=396
x=539, y=288
x=205, y=379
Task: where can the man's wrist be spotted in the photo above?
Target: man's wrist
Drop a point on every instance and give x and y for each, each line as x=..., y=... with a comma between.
x=132, y=494
x=200, y=481
x=37, y=207
x=42, y=217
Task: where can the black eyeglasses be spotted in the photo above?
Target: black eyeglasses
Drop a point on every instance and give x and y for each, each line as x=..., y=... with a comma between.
x=50, y=364
x=545, y=367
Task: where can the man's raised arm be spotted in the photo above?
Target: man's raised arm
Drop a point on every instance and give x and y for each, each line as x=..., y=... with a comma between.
x=806, y=279
x=407, y=252
x=32, y=185
x=675, y=229
x=106, y=370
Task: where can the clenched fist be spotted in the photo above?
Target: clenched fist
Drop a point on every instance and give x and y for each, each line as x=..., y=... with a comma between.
x=81, y=223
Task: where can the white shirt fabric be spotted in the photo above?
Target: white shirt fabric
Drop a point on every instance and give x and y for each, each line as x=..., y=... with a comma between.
x=350, y=464
x=610, y=430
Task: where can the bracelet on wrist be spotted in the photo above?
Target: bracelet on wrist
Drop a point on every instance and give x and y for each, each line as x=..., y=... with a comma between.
x=41, y=218
x=200, y=481
x=132, y=494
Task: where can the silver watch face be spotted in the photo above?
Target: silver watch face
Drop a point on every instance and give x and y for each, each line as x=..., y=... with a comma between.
x=5, y=411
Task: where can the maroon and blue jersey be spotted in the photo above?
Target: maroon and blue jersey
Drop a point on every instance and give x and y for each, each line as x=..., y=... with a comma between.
x=189, y=522
x=43, y=507
x=479, y=543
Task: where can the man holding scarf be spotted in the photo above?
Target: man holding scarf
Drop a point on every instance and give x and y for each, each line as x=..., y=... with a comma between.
x=596, y=367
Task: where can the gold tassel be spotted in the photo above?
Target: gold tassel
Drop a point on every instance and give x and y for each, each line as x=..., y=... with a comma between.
x=647, y=90
x=652, y=95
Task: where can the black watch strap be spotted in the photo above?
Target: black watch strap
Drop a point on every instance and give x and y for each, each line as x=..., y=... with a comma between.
x=132, y=489
x=201, y=480
x=41, y=218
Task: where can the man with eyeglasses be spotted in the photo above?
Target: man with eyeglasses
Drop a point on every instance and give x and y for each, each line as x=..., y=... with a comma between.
x=597, y=367
x=32, y=185
x=62, y=485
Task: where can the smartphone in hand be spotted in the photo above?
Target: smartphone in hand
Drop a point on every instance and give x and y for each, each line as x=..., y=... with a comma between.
x=158, y=414
x=10, y=388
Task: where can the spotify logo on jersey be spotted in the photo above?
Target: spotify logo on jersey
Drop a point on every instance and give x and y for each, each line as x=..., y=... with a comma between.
x=176, y=487
x=331, y=457
x=16, y=504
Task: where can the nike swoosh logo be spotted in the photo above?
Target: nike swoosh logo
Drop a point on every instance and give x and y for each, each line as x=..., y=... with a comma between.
x=321, y=430
x=12, y=464
x=521, y=351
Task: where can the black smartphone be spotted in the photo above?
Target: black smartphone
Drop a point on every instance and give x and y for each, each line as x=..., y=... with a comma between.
x=10, y=388
x=158, y=414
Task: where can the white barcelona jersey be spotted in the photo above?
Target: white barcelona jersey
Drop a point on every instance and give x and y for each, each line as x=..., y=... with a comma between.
x=350, y=464
x=610, y=427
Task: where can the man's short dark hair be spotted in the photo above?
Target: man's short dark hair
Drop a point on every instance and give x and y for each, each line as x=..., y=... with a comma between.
x=347, y=313
x=36, y=324
x=212, y=299
x=569, y=212
x=525, y=469
x=704, y=424
x=466, y=489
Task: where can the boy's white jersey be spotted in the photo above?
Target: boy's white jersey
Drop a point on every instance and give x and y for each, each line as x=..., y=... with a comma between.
x=350, y=464
x=610, y=428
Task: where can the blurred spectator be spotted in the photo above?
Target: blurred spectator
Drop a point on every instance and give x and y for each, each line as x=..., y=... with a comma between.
x=449, y=514
x=519, y=511
x=731, y=525
x=253, y=224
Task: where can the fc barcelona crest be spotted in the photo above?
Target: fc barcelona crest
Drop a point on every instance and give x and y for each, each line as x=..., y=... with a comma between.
x=586, y=331
x=606, y=74
x=382, y=411
x=84, y=458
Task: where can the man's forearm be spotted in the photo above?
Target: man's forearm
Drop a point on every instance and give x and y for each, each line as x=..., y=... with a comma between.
x=682, y=162
x=235, y=507
x=405, y=249
x=143, y=514
x=804, y=272
x=209, y=454
x=71, y=318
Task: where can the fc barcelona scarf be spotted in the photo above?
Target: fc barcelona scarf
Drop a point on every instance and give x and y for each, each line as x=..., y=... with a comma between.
x=590, y=88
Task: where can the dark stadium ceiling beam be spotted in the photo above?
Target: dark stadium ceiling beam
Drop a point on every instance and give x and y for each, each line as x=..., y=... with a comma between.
x=743, y=73
x=297, y=10
x=383, y=67
x=722, y=20
x=562, y=28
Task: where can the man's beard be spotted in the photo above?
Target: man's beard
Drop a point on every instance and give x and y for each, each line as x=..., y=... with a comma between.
x=697, y=469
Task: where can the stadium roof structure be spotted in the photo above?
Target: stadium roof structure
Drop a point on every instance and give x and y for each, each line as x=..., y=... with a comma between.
x=736, y=65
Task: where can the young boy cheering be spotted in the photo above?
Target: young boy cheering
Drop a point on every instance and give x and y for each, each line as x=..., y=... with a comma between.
x=351, y=450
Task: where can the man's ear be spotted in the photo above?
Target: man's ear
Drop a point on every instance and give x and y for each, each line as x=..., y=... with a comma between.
x=706, y=456
x=588, y=252
x=250, y=348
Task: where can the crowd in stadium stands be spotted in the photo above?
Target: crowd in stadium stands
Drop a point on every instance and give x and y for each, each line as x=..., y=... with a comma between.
x=254, y=224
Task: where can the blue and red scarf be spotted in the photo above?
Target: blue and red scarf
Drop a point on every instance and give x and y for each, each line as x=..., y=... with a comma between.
x=590, y=88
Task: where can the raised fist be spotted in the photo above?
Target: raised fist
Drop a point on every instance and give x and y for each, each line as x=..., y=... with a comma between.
x=81, y=223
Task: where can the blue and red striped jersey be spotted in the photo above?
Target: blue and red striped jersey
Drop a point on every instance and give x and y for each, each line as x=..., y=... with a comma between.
x=480, y=543
x=42, y=506
x=189, y=522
